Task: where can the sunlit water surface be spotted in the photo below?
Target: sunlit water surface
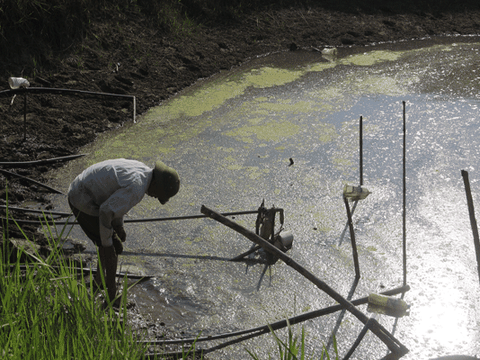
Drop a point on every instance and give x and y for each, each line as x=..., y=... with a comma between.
x=231, y=138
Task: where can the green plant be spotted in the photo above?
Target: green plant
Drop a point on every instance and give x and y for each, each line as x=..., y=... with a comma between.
x=294, y=347
x=47, y=311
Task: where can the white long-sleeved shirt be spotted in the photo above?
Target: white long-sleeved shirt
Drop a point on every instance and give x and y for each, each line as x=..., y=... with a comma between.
x=109, y=189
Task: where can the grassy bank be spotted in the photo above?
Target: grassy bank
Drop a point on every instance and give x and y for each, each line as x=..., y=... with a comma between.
x=48, y=312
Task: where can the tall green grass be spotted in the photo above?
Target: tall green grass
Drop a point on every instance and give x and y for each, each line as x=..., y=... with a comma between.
x=48, y=312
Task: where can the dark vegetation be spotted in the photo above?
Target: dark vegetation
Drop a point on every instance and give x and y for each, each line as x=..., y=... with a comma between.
x=153, y=49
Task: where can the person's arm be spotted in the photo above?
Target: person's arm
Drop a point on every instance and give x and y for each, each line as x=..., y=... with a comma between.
x=113, y=210
x=117, y=224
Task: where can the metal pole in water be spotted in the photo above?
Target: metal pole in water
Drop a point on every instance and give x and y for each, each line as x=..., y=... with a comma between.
x=404, y=198
x=361, y=151
x=473, y=221
x=352, y=238
x=379, y=330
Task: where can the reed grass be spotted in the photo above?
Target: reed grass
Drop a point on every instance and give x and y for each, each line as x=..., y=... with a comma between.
x=293, y=348
x=48, y=312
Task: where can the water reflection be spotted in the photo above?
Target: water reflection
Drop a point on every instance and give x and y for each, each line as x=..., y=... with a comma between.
x=231, y=139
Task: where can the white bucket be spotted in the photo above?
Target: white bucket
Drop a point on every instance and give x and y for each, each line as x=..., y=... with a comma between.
x=17, y=82
x=330, y=51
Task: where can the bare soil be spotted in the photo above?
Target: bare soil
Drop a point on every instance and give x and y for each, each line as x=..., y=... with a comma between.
x=122, y=53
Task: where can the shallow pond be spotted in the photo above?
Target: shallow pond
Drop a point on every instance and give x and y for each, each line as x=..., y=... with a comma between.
x=231, y=139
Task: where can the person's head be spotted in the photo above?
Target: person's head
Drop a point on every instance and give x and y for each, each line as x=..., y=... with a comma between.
x=165, y=182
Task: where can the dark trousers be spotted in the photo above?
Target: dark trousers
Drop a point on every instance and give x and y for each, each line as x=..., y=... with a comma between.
x=89, y=224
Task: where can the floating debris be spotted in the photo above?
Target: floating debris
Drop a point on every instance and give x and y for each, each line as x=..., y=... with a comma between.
x=387, y=305
x=355, y=192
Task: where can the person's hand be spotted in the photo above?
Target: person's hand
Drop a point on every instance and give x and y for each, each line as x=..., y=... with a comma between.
x=121, y=233
x=117, y=245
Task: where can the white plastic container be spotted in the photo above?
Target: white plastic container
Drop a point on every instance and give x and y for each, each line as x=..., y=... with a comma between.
x=387, y=305
x=330, y=51
x=17, y=82
x=355, y=192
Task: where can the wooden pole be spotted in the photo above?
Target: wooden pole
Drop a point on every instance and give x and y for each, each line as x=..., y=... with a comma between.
x=352, y=238
x=393, y=344
x=473, y=221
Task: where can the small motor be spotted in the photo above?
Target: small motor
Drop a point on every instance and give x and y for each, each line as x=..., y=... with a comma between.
x=284, y=241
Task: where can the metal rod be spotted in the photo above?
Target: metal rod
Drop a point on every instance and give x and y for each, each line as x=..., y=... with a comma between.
x=346, y=224
x=358, y=340
x=143, y=220
x=473, y=221
x=189, y=217
x=47, y=212
x=393, y=344
x=361, y=151
x=342, y=314
x=404, y=213
x=87, y=270
x=353, y=241
x=134, y=110
x=279, y=324
x=40, y=162
x=246, y=253
x=39, y=90
x=8, y=173
x=24, y=116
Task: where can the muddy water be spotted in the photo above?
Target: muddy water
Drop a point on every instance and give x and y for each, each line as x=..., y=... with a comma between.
x=231, y=139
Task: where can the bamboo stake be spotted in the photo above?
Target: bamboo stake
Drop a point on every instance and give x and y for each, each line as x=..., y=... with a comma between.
x=473, y=221
x=393, y=344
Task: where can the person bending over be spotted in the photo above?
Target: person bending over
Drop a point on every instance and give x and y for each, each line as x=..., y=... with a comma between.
x=103, y=193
